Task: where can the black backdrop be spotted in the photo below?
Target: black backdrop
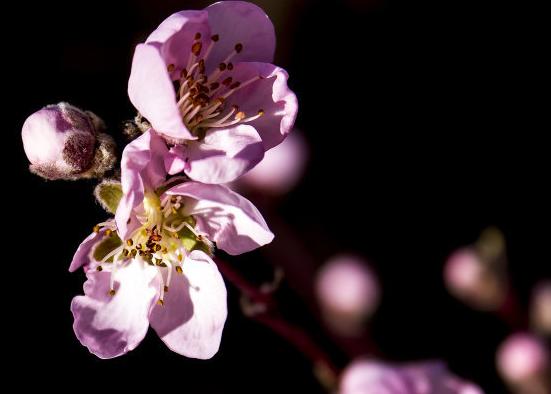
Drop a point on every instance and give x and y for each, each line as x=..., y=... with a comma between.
x=423, y=121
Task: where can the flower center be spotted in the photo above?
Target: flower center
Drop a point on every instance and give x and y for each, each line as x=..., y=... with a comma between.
x=203, y=99
x=166, y=236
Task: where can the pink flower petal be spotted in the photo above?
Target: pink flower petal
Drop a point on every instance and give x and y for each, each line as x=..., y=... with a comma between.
x=240, y=22
x=175, y=36
x=110, y=326
x=82, y=255
x=142, y=168
x=150, y=90
x=224, y=154
x=232, y=221
x=175, y=160
x=269, y=94
x=192, y=318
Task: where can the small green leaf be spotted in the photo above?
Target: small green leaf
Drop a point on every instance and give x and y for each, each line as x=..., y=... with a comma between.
x=109, y=193
x=107, y=245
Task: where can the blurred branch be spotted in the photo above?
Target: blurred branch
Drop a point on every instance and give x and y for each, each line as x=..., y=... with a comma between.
x=261, y=307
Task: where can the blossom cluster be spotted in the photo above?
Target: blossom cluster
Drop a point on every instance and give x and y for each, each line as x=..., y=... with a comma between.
x=210, y=104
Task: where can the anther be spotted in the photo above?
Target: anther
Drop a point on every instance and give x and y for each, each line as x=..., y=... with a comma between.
x=183, y=73
x=239, y=116
x=156, y=237
x=99, y=268
x=238, y=47
x=235, y=85
x=133, y=252
x=196, y=48
x=202, y=99
x=227, y=81
x=222, y=66
x=129, y=242
x=214, y=85
x=160, y=302
x=112, y=292
x=230, y=66
x=108, y=232
x=125, y=252
x=215, y=38
x=171, y=67
x=197, y=36
x=96, y=228
x=166, y=289
x=179, y=270
x=157, y=247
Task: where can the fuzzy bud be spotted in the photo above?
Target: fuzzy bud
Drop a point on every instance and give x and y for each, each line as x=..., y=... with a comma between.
x=64, y=142
x=523, y=362
x=348, y=293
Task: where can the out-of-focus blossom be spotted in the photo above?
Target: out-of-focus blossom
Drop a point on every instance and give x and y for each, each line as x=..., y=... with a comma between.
x=281, y=169
x=473, y=281
x=366, y=376
x=523, y=362
x=204, y=81
x=540, y=311
x=162, y=238
x=64, y=142
x=348, y=293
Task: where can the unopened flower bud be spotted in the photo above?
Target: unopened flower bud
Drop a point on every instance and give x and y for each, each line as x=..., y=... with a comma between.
x=473, y=281
x=523, y=362
x=348, y=293
x=64, y=142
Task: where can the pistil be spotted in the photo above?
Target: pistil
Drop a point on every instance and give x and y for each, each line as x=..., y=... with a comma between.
x=164, y=240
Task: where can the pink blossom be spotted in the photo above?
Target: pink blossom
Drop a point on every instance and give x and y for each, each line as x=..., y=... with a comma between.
x=366, y=376
x=152, y=264
x=229, y=105
x=186, y=309
x=522, y=357
x=348, y=292
x=64, y=142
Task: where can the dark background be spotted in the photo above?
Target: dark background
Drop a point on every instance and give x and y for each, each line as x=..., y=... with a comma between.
x=424, y=121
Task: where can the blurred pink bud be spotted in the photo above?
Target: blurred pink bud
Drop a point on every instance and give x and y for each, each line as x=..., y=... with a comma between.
x=365, y=376
x=522, y=358
x=348, y=292
x=471, y=280
x=282, y=166
x=64, y=142
x=540, y=309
